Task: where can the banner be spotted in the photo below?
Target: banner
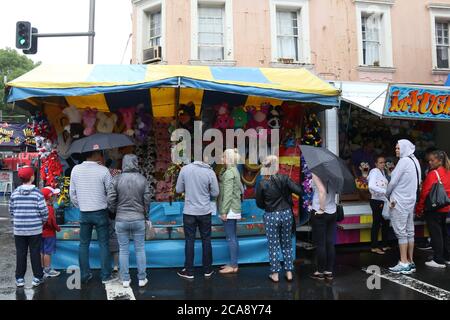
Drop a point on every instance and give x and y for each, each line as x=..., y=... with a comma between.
x=16, y=135
x=418, y=102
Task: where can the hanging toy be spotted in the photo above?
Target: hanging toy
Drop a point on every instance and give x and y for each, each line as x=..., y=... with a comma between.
x=74, y=116
x=258, y=120
x=311, y=134
x=106, y=123
x=274, y=117
x=89, y=120
x=240, y=117
x=143, y=124
x=186, y=116
x=223, y=119
x=128, y=115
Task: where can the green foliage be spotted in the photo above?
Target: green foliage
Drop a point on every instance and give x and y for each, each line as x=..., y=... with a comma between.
x=13, y=65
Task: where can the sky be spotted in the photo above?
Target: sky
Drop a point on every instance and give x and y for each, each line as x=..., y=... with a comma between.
x=112, y=27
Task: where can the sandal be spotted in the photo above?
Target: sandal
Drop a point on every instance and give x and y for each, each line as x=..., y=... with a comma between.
x=377, y=251
x=228, y=270
x=289, y=279
x=273, y=280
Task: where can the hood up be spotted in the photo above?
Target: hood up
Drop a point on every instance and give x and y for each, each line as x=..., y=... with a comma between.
x=406, y=148
x=130, y=163
x=201, y=164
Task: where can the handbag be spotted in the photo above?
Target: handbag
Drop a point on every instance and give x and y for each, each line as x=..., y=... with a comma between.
x=437, y=198
x=339, y=212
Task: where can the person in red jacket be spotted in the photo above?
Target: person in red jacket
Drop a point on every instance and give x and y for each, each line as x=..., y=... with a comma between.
x=437, y=220
x=49, y=234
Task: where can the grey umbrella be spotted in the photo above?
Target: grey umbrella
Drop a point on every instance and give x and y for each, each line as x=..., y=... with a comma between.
x=100, y=141
x=331, y=169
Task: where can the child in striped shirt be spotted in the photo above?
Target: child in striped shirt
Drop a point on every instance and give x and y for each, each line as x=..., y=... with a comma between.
x=28, y=214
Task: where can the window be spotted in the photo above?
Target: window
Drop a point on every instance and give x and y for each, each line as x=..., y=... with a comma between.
x=288, y=35
x=371, y=44
x=442, y=45
x=374, y=33
x=155, y=29
x=211, y=37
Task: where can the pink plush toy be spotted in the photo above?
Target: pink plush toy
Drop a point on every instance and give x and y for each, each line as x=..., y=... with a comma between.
x=223, y=117
x=128, y=118
x=89, y=120
x=258, y=120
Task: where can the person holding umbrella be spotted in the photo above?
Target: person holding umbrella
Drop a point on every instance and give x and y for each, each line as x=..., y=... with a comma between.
x=330, y=177
x=273, y=195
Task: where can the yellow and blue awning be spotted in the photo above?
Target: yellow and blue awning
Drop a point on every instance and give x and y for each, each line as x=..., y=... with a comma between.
x=110, y=87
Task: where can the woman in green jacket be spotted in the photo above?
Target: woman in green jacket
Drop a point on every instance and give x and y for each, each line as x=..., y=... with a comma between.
x=229, y=205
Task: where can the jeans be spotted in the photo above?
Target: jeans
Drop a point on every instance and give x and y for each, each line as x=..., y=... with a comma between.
x=233, y=243
x=99, y=220
x=378, y=222
x=125, y=231
x=33, y=243
x=437, y=226
x=190, y=228
x=278, y=227
x=324, y=231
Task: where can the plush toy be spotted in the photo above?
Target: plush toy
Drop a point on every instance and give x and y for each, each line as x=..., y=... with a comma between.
x=106, y=123
x=389, y=167
x=42, y=128
x=64, y=141
x=128, y=115
x=56, y=118
x=186, y=116
x=89, y=120
x=223, y=119
x=361, y=182
x=240, y=117
x=51, y=169
x=74, y=116
x=312, y=135
x=307, y=188
x=258, y=120
x=143, y=124
x=274, y=117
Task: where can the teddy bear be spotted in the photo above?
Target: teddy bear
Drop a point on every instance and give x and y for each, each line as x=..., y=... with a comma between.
x=105, y=122
x=240, y=117
x=186, y=116
x=89, y=120
x=74, y=116
x=143, y=123
x=128, y=115
x=223, y=118
x=258, y=120
x=274, y=117
x=57, y=119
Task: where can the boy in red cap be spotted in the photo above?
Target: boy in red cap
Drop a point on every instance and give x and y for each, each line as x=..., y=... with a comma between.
x=49, y=234
x=28, y=213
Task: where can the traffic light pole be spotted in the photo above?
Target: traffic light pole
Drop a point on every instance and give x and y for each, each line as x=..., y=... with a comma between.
x=90, y=34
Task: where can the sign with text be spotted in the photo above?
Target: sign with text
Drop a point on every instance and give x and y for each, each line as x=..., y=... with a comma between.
x=16, y=135
x=418, y=102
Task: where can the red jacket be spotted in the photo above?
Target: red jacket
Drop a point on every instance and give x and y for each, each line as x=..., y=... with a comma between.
x=428, y=184
x=50, y=227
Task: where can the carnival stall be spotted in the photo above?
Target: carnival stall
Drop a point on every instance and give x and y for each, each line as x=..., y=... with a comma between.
x=147, y=103
x=372, y=118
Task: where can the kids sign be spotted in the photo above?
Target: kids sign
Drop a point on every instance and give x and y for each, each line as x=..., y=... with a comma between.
x=418, y=102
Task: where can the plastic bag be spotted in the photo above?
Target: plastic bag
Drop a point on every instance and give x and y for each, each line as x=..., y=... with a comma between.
x=149, y=230
x=386, y=210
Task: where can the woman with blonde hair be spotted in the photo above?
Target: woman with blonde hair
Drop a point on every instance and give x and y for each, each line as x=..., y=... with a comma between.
x=229, y=205
x=274, y=196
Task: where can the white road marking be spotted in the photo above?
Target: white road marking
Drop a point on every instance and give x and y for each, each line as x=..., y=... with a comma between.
x=3, y=218
x=116, y=291
x=414, y=284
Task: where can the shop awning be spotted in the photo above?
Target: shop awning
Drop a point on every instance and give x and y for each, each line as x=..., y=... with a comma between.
x=399, y=101
x=108, y=87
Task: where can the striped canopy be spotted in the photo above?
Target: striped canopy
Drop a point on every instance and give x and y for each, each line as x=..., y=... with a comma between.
x=161, y=87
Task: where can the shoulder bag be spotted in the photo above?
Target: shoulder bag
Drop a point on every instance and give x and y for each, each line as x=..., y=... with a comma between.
x=437, y=198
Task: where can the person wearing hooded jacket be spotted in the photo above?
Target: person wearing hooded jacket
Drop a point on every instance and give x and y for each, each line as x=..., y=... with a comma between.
x=129, y=196
x=402, y=195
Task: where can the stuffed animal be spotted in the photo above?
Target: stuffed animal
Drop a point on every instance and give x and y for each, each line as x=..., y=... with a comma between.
x=186, y=116
x=89, y=120
x=56, y=118
x=128, y=115
x=143, y=124
x=274, y=117
x=223, y=119
x=74, y=116
x=51, y=169
x=240, y=117
x=106, y=123
x=258, y=120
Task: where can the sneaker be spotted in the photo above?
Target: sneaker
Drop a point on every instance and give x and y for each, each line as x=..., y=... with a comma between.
x=51, y=273
x=20, y=282
x=208, y=274
x=110, y=279
x=143, y=283
x=403, y=268
x=424, y=246
x=328, y=275
x=126, y=284
x=413, y=267
x=447, y=263
x=184, y=274
x=317, y=276
x=434, y=264
x=37, y=282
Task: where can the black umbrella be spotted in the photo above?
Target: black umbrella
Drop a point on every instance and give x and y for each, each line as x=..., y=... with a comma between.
x=331, y=169
x=100, y=141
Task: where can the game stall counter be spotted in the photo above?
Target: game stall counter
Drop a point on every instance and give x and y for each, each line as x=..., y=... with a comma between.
x=148, y=102
x=384, y=113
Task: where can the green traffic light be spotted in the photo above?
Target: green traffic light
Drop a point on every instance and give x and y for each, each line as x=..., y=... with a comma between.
x=22, y=41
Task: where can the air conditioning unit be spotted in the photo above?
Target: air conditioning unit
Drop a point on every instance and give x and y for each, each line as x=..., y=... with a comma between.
x=151, y=55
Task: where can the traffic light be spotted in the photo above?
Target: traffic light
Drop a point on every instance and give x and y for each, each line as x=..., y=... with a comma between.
x=23, y=35
x=34, y=42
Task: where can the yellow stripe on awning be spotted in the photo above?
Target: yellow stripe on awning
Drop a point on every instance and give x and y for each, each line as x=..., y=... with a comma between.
x=257, y=101
x=163, y=102
x=97, y=101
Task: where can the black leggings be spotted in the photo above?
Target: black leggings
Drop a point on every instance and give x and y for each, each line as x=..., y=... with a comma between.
x=437, y=226
x=324, y=232
x=378, y=222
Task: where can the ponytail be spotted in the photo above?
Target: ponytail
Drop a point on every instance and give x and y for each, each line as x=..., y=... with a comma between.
x=442, y=156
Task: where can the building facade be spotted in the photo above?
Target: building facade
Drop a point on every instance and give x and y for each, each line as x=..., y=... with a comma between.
x=351, y=40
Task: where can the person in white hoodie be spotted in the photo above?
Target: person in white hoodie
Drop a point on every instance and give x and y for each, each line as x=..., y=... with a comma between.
x=402, y=195
x=377, y=187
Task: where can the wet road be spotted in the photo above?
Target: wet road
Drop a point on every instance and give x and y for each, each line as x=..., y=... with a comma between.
x=250, y=283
